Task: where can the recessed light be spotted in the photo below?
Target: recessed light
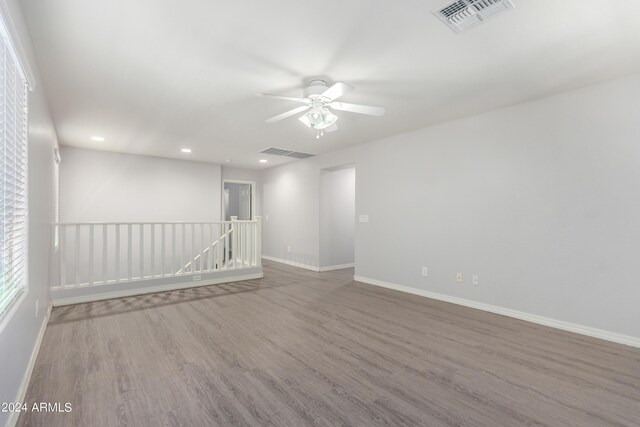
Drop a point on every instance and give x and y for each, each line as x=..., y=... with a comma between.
x=97, y=138
x=263, y=160
x=227, y=160
x=186, y=150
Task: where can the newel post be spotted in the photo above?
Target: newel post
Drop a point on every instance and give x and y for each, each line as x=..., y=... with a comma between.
x=234, y=239
x=258, y=240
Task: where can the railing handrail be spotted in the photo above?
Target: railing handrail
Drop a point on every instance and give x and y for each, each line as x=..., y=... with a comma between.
x=155, y=223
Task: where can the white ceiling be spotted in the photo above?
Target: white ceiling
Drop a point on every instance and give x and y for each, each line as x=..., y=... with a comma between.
x=154, y=76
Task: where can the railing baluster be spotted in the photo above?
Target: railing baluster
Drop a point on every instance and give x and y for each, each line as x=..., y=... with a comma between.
x=117, y=251
x=163, y=255
x=183, y=249
x=76, y=254
x=91, y=256
x=173, y=249
x=247, y=242
x=243, y=244
x=247, y=251
x=193, y=247
x=62, y=231
x=201, y=247
x=152, y=250
x=129, y=252
x=247, y=245
x=210, y=260
x=104, y=253
x=237, y=257
x=227, y=241
x=254, y=253
x=258, y=240
x=141, y=251
x=219, y=246
x=234, y=242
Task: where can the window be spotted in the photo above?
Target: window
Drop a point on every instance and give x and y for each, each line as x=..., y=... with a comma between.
x=56, y=180
x=13, y=174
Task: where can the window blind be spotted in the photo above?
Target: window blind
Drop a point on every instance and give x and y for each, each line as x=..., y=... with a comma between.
x=13, y=175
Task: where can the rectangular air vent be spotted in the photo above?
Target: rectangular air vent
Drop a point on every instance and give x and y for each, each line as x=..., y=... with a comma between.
x=286, y=153
x=461, y=15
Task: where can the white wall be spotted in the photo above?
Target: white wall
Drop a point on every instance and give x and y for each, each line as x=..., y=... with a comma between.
x=19, y=330
x=539, y=200
x=114, y=187
x=291, y=210
x=337, y=216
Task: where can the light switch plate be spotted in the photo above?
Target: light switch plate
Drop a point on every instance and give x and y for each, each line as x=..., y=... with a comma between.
x=363, y=218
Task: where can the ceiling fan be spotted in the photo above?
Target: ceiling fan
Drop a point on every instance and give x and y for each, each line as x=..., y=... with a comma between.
x=319, y=98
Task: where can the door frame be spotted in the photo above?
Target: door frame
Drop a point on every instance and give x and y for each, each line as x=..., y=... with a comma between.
x=253, y=195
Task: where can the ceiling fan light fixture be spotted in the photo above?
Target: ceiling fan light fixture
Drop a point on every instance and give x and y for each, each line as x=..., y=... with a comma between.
x=320, y=118
x=315, y=117
x=305, y=120
x=328, y=119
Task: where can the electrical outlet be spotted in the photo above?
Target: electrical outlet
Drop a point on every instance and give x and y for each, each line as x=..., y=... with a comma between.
x=37, y=308
x=476, y=280
x=425, y=271
x=197, y=277
x=459, y=277
x=288, y=248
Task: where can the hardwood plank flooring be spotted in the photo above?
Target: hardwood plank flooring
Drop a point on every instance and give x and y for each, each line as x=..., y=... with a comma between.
x=302, y=348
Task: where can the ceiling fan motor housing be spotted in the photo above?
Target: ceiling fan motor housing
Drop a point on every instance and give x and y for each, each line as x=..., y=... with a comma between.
x=315, y=88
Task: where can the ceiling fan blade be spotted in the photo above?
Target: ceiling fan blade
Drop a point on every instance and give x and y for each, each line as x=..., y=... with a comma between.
x=355, y=108
x=287, y=114
x=332, y=128
x=336, y=91
x=288, y=98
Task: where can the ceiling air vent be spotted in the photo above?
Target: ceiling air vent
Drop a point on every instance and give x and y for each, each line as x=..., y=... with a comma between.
x=461, y=15
x=286, y=153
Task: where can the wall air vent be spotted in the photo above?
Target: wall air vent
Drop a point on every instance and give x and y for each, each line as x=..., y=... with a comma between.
x=286, y=153
x=461, y=15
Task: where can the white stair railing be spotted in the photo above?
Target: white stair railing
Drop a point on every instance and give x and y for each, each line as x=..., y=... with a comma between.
x=97, y=253
x=218, y=258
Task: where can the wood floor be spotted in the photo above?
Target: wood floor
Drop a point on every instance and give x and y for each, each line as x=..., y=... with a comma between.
x=302, y=348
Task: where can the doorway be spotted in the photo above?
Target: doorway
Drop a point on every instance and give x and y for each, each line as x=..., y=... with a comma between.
x=238, y=200
x=337, y=217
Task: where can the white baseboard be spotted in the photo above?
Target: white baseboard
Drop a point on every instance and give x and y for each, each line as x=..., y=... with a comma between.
x=152, y=289
x=292, y=263
x=541, y=320
x=337, y=267
x=24, y=386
